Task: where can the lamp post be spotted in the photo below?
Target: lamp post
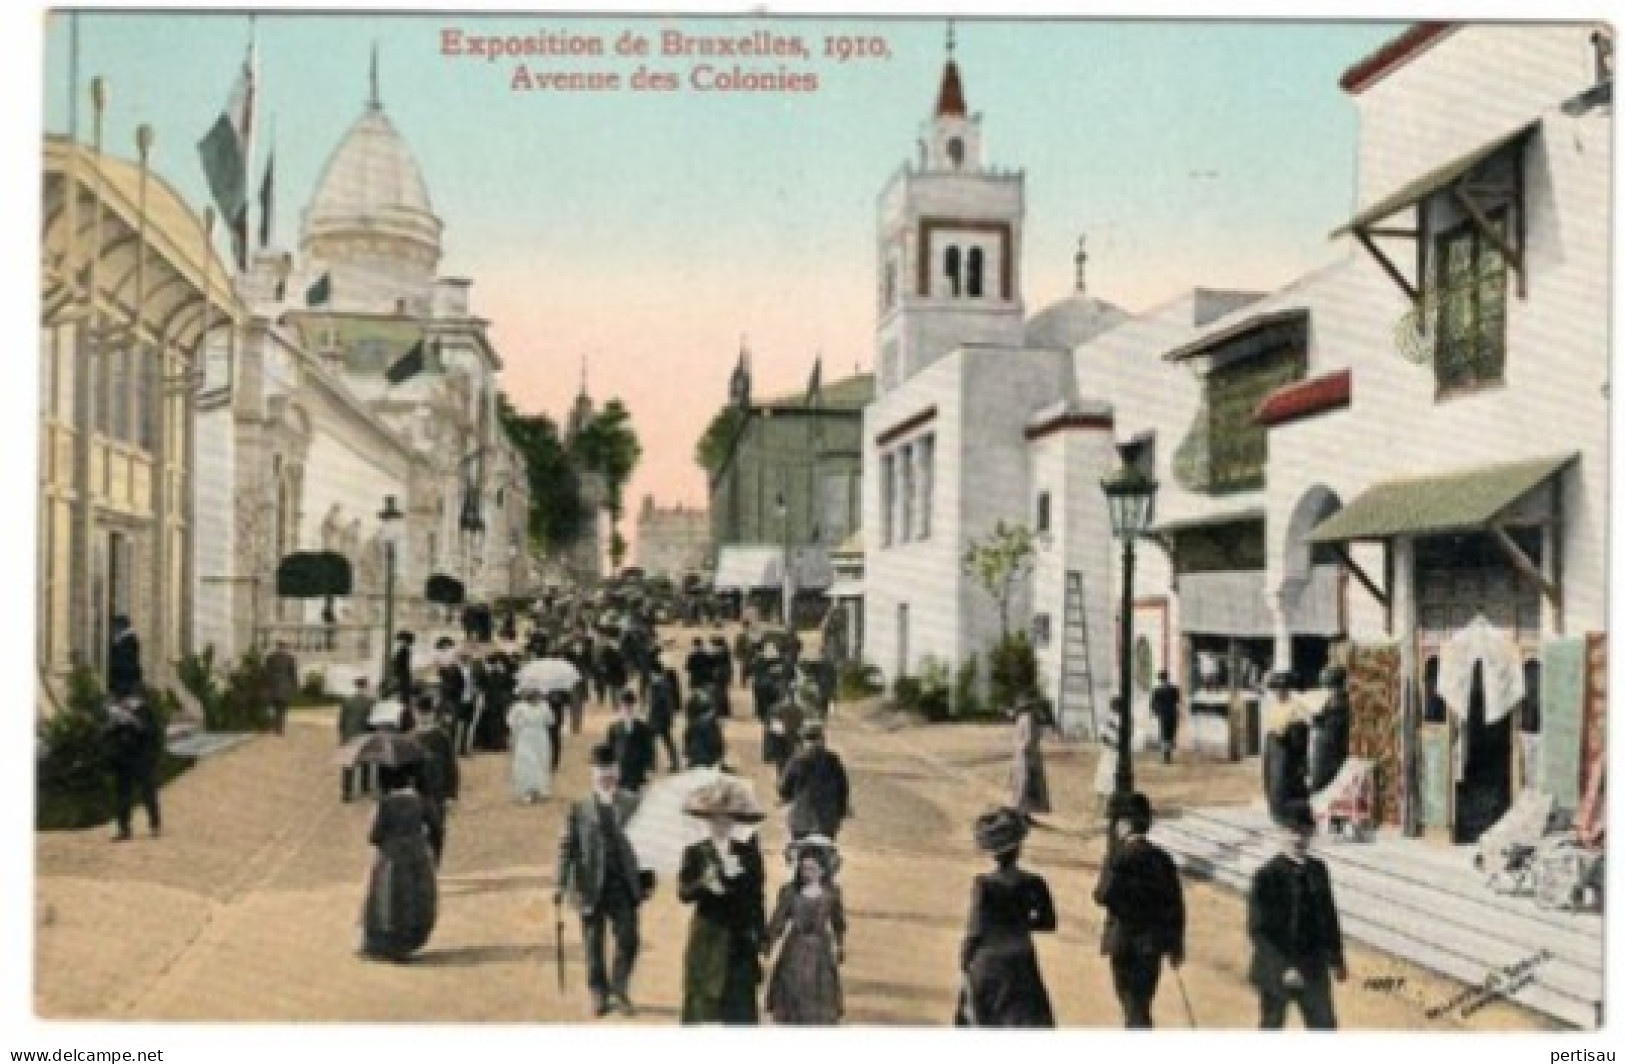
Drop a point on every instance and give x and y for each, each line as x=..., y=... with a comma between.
x=783, y=511
x=389, y=526
x=1129, y=497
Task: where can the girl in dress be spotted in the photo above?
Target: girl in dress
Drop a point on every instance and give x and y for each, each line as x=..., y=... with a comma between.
x=810, y=923
x=722, y=878
x=1003, y=986
x=529, y=721
x=400, y=910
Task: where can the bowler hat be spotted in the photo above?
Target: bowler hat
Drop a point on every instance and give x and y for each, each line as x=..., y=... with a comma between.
x=1000, y=830
x=603, y=756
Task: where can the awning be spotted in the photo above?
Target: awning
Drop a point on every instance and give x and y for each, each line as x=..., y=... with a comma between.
x=748, y=568
x=1414, y=192
x=1452, y=502
x=845, y=589
x=1210, y=520
x=1225, y=603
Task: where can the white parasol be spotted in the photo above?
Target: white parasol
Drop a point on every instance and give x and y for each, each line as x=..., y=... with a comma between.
x=547, y=675
x=659, y=830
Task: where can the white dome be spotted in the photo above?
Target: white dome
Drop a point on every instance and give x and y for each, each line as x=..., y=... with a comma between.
x=370, y=173
x=1072, y=322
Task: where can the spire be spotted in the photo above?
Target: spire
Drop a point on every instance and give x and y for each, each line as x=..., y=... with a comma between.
x=583, y=392
x=1078, y=261
x=373, y=101
x=951, y=96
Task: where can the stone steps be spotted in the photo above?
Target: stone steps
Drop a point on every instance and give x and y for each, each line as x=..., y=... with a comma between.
x=1418, y=905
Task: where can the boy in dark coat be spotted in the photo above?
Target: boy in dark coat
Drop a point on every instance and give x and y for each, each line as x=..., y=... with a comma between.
x=135, y=741
x=1145, y=905
x=399, y=681
x=664, y=699
x=703, y=744
x=1292, y=921
x=633, y=743
x=815, y=784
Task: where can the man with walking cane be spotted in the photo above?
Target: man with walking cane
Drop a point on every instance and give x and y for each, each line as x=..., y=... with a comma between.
x=1145, y=906
x=599, y=870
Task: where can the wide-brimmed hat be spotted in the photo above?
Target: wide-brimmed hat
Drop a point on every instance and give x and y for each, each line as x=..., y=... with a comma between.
x=724, y=798
x=1000, y=830
x=820, y=847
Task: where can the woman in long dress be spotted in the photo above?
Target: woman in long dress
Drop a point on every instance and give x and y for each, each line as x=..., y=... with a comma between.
x=809, y=923
x=399, y=914
x=723, y=879
x=1029, y=787
x=529, y=721
x=1003, y=986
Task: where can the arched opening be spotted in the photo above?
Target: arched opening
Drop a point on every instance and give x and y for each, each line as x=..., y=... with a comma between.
x=973, y=273
x=1311, y=587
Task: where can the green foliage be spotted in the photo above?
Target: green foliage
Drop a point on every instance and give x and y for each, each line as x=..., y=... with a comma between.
x=967, y=695
x=313, y=690
x=906, y=692
x=712, y=449
x=557, y=512
x=235, y=702
x=857, y=681
x=1014, y=671
x=609, y=447
x=197, y=674
x=1001, y=563
x=617, y=549
x=934, y=693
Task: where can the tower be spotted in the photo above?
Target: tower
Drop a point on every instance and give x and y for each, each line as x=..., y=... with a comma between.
x=949, y=244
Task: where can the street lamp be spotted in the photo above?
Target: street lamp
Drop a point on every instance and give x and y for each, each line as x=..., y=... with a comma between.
x=1129, y=497
x=783, y=512
x=389, y=530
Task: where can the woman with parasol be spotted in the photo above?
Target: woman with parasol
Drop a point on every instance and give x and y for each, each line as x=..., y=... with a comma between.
x=723, y=879
x=399, y=914
x=809, y=921
x=1003, y=986
x=530, y=721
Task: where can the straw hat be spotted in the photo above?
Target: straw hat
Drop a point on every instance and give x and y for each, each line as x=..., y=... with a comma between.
x=819, y=847
x=724, y=798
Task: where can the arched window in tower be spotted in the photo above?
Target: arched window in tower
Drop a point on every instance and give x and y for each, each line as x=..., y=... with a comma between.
x=973, y=272
x=951, y=266
x=956, y=152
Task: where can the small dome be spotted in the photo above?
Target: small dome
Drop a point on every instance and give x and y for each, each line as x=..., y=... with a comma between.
x=371, y=175
x=1072, y=322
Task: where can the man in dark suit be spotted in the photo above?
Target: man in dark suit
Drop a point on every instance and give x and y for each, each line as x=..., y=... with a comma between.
x=634, y=744
x=399, y=681
x=814, y=783
x=1165, y=707
x=665, y=698
x=124, y=673
x=1292, y=920
x=353, y=714
x=698, y=666
x=135, y=739
x=599, y=870
x=1145, y=906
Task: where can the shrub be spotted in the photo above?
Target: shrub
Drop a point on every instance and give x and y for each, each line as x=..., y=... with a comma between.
x=857, y=681
x=313, y=691
x=905, y=692
x=197, y=674
x=934, y=689
x=236, y=705
x=967, y=697
x=1014, y=671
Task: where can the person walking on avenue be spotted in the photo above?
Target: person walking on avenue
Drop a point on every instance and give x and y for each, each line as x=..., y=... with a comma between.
x=664, y=700
x=1292, y=921
x=722, y=675
x=400, y=667
x=809, y=926
x=815, y=785
x=441, y=775
x=612, y=672
x=402, y=894
x=353, y=714
x=457, y=694
x=1029, y=786
x=1002, y=984
x=281, y=684
x=529, y=722
x=697, y=667
x=1165, y=707
x=1329, y=742
x=598, y=871
x=781, y=737
x=764, y=682
x=562, y=703
x=633, y=742
x=135, y=744
x=1145, y=914
x=703, y=743
x=723, y=879
x=124, y=673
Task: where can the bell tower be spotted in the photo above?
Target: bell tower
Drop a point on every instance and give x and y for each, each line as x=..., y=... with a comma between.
x=949, y=244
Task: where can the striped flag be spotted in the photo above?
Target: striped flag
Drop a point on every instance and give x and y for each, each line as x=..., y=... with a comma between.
x=225, y=152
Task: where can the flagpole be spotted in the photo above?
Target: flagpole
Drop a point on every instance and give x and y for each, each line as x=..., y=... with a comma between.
x=252, y=110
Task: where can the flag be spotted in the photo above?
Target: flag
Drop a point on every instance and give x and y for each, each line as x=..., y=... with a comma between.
x=265, y=199
x=225, y=152
x=319, y=293
x=407, y=366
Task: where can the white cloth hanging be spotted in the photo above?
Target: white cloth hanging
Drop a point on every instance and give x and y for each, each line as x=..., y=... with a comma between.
x=1482, y=644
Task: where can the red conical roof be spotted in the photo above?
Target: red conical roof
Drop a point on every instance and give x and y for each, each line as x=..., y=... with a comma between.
x=951, y=97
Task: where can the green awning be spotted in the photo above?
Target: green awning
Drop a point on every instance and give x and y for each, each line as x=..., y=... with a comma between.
x=1414, y=192
x=1451, y=502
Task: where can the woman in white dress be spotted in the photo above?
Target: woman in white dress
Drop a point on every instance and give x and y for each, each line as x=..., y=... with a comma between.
x=529, y=719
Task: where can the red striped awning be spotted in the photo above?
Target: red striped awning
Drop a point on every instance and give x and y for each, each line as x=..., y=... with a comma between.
x=1302, y=399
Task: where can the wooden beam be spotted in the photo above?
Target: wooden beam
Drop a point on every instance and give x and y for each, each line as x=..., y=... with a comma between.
x=1397, y=234
x=1526, y=568
x=1342, y=552
x=1387, y=265
x=1514, y=258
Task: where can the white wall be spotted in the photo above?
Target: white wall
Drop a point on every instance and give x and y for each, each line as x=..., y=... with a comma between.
x=214, y=539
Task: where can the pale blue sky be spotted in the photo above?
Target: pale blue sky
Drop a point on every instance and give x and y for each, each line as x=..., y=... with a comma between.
x=754, y=213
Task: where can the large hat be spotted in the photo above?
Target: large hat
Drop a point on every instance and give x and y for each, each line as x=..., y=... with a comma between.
x=724, y=797
x=820, y=847
x=1000, y=830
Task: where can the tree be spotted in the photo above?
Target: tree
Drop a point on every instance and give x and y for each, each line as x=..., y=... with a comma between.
x=609, y=447
x=1002, y=563
x=712, y=449
x=557, y=513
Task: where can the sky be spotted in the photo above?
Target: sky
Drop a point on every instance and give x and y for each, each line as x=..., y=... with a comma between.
x=649, y=233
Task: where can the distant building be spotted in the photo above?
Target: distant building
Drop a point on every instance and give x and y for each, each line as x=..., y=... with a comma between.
x=672, y=541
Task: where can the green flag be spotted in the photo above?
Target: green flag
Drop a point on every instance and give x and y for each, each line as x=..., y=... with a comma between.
x=319, y=293
x=407, y=366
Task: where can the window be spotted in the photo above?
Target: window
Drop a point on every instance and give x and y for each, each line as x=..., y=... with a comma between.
x=888, y=500
x=906, y=461
x=1470, y=319
x=973, y=272
x=951, y=267
x=928, y=455
x=1043, y=511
